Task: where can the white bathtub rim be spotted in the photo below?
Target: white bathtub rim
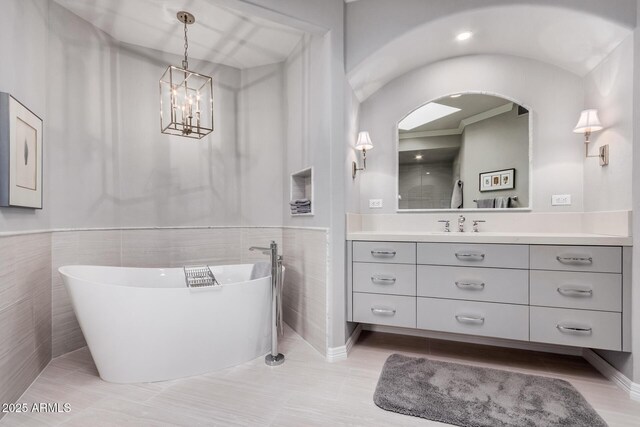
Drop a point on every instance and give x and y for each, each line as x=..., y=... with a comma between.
x=63, y=271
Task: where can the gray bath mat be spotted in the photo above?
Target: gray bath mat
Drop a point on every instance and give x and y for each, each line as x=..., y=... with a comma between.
x=479, y=397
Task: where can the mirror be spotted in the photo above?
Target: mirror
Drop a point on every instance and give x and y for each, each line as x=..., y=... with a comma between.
x=464, y=151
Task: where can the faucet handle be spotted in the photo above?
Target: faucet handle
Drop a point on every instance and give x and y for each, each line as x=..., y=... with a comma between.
x=447, y=224
x=475, y=224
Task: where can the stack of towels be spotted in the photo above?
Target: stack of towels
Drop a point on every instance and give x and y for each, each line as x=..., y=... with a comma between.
x=300, y=206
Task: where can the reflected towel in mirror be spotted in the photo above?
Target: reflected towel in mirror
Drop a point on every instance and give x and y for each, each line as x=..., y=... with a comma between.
x=502, y=202
x=486, y=203
x=456, y=197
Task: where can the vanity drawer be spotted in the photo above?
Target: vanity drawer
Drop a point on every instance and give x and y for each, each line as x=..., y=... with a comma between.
x=474, y=318
x=378, y=278
x=387, y=252
x=587, y=291
x=479, y=284
x=601, y=259
x=581, y=328
x=474, y=255
x=389, y=310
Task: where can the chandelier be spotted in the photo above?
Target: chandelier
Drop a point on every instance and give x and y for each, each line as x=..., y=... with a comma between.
x=186, y=97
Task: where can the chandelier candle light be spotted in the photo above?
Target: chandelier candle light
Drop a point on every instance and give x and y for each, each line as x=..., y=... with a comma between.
x=186, y=97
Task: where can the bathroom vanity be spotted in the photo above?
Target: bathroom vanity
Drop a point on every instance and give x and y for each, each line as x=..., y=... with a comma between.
x=570, y=290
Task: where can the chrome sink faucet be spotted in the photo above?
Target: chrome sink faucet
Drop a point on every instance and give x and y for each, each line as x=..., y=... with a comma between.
x=447, y=225
x=461, y=220
x=476, y=223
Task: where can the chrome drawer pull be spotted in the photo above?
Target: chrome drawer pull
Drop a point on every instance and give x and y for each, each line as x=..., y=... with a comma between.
x=574, y=260
x=469, y=256
x=470, y=319
x=383, y=253
x=383, y=311
x=573, y=329
x=384, y=280
x=572, y=292
x=470, y=285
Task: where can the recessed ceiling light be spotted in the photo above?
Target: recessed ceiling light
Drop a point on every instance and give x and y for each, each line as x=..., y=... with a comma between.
x=428, y=173
x=418, y=156
x=457, y=95
x=465, y=35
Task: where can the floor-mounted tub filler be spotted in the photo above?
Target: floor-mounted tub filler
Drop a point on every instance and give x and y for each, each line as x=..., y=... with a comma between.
x=146, y=324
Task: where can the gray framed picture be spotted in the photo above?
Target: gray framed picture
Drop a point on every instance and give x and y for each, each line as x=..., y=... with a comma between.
x=498, y=180
x=20, y=155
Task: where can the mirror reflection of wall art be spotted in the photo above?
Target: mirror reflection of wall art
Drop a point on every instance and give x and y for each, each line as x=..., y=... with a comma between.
x=20, y=155
x=498, y=180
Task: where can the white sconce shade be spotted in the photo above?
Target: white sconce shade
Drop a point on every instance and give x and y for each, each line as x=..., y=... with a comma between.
x=364, y=141
x=363, y=144
x=588, y=122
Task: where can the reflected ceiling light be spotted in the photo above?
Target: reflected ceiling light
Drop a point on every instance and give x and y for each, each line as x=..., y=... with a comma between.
x=418, y=156
x=426, y=114
x=457, y=95
x=587, y=123
x=465, y=35
x=186, y=97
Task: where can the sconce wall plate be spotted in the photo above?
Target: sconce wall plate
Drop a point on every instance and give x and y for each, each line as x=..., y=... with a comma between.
x=604, y=155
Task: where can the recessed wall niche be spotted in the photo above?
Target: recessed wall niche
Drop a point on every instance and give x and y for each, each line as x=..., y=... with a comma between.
x=301, y=192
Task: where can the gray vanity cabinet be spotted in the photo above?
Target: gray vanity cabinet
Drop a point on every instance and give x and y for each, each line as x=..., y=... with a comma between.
x=565, y=295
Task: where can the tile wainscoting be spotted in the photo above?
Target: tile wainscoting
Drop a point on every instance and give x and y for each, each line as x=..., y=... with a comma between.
x=304, y=302
x=25, y=311
x=37, y=313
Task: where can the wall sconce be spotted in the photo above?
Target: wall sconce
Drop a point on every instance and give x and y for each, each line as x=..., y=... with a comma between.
x=363, y=144
x=589, y=122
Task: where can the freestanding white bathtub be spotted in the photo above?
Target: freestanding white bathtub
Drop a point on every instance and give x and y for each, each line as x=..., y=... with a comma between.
x=144, y=324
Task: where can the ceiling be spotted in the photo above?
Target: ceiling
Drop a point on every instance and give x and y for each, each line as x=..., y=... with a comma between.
x=429, y=156
x=219, y=35
x=470, y=104
x=567, y=38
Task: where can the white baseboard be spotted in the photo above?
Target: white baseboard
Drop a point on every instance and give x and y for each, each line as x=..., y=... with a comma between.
x=335, y=354
x=612, y=374
x=472, y=339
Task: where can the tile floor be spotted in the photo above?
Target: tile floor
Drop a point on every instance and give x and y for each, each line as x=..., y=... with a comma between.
x=305, y=391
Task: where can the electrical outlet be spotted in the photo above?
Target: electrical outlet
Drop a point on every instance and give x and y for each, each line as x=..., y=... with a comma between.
x=375, y=203
x=561, y=200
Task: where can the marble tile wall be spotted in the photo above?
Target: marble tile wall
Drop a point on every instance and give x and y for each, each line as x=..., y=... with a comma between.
x=25, y=311
x=305, y=284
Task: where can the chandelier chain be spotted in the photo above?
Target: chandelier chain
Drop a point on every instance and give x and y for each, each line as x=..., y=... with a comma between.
x=185, y=62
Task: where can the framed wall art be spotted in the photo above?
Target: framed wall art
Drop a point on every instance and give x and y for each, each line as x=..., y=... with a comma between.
x=498, y=180
x=20, y=155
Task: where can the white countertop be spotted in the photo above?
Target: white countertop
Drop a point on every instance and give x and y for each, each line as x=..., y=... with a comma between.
x=493, y=237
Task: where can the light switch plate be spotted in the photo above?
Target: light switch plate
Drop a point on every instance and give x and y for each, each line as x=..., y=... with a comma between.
x=561, y=200
x=375, y=203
